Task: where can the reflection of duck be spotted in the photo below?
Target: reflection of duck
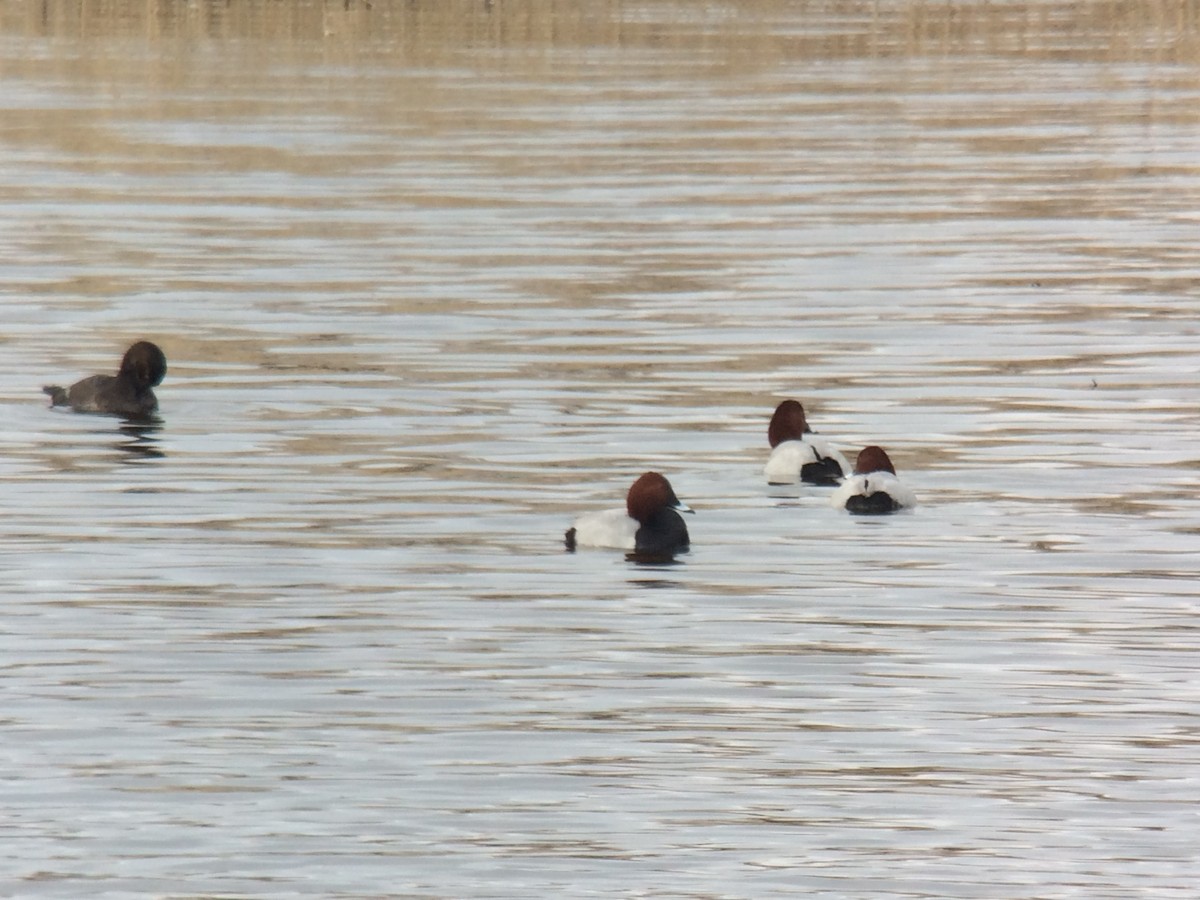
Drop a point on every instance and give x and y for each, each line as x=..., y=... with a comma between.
x=874, y=487
x=649, y=524
x=142, y=443
x=128, y=393
x=798, y=454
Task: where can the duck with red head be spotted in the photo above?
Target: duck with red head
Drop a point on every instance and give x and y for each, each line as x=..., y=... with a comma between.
x=128, y=393
x=873, y=488
x=797, y=453
x=649, y=524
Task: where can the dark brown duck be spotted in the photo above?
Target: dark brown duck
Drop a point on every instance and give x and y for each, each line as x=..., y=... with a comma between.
x=129, y=393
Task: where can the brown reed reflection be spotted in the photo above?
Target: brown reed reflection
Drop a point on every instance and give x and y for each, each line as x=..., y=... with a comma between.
x=748, y=32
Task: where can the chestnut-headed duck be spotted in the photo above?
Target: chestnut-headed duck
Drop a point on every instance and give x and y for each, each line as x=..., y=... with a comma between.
x=797, y=453
x=874, y=487
x=650, y=523
x=128, y=393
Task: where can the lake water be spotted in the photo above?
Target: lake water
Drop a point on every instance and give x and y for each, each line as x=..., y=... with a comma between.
x=432, y=280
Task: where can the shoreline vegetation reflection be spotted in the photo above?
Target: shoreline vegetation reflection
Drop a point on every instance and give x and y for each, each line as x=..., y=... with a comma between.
x=748, y=34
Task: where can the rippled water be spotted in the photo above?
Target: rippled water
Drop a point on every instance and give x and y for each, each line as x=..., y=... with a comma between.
x=432, y=281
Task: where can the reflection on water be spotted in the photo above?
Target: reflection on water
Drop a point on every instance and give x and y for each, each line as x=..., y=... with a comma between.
x=747, y=33
x=434, y=277
x=654, y=560
x=141, y=439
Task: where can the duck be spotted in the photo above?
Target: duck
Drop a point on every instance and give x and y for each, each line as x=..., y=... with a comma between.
x=797, y=453
x=129, y=393
x=874, y=487
x=649, y=524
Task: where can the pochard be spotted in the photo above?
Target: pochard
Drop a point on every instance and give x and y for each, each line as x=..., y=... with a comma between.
x=874, y=487
x=798, y=454
x=128, y=393
x=649, y=524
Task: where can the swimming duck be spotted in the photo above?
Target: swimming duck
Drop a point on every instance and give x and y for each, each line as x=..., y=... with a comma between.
x=649, y=524
x=128, y=393
x=874, y=487
x=798, y=454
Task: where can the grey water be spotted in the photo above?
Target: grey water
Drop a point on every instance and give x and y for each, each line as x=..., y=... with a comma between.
x=434, y=279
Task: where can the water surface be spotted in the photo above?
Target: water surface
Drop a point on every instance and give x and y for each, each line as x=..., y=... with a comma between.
x=434, y=280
